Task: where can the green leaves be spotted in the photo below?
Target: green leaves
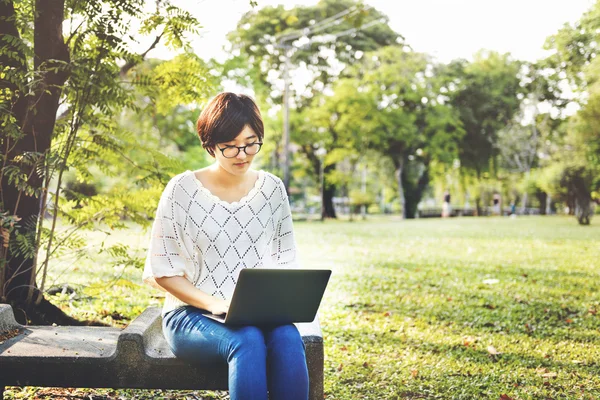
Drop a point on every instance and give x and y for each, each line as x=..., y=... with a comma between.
x=258, y=34
x=573, y=168
x=486, y=100
x=179, y=23
x=183, y=80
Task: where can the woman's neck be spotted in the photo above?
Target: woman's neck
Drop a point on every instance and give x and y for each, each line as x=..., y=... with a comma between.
x=227, y=179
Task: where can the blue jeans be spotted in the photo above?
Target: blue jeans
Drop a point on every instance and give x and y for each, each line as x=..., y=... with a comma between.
x=260, y=358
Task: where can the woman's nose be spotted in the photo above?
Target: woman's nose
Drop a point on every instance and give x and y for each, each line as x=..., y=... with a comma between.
x=242, y=154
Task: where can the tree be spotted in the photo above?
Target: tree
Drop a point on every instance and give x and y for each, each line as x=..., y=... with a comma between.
x=407, y=118
x=522, y=139
x=582, y=177
x=260, y=57
x=485, y=93
x=578, y=159
x=574, y=47
x=333, y=124
x=518, y=145
x=82, y=77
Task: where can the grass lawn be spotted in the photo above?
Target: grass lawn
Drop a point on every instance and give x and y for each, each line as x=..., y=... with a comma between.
x=466, y=308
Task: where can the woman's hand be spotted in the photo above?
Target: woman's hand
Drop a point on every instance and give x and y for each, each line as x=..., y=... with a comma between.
x=219, y=307
x=185, y=291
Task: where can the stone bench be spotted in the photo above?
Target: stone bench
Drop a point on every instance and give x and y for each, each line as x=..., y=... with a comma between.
x=136, y=357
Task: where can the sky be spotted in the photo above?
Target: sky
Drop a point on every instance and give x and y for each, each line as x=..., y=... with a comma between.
x=446, y=29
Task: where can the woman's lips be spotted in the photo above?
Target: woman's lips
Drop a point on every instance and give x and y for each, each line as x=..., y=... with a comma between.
x=240, y=164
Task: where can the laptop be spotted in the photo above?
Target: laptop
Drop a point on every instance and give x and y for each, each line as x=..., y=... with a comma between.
x=275, y=296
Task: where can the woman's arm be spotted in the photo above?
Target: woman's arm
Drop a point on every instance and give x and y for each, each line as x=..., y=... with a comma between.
x=284, y=250
x=185, y=291
x=169, y=260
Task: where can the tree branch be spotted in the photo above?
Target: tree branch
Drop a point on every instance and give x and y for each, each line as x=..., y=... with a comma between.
x=124, y=69
x=136, y=60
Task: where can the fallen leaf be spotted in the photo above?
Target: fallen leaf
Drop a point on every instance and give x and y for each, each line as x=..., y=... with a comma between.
x=469, y=340
x=546, y=373
x=366, y=364
x=490, y=281
x=492, y=350
x=505, y=397
x=568, y=320
x=387, y=314
x=340, y=367
x=343, y=348
x=414, y=373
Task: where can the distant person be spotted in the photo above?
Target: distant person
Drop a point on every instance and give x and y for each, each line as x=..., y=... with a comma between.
x=209, y=225
x=496, y=204
x=446, y=208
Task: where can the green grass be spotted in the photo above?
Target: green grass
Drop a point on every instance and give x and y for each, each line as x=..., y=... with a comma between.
x=469, y=308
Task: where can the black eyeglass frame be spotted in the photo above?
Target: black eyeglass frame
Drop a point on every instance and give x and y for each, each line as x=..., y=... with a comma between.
x=240, y=148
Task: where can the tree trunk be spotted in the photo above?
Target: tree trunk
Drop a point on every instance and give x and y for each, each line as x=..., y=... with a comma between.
x=542, y=199
x=328, y=209
x=399, y=164
x=549, y=208
x=524, y=203
x=525, y=195
x=478, y=208
x=571, y=203
x=413, y=192
x=8, y=193
x=37, y=127
x=583, y=210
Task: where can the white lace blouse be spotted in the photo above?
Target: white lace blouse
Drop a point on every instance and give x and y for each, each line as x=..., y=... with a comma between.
x=208, y=240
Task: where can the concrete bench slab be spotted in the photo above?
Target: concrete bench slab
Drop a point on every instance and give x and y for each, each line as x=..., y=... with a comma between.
x=137, y=357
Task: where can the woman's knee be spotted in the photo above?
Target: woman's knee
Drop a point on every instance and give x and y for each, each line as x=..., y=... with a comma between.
x=285, y=336
x=248, y=338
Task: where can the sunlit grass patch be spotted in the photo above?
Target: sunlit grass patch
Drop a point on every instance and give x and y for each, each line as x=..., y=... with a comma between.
x=465, y=308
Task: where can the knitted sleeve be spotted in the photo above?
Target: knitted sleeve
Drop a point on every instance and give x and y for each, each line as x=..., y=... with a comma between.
x=284, y=251
x=167, y=254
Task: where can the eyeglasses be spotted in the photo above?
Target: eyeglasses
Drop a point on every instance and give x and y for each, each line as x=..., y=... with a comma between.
x=232, y=151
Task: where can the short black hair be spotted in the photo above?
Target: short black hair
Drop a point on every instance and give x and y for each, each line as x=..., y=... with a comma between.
x=225, y=117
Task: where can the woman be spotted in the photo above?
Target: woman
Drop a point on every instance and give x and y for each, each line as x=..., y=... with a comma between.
x=209, y=225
